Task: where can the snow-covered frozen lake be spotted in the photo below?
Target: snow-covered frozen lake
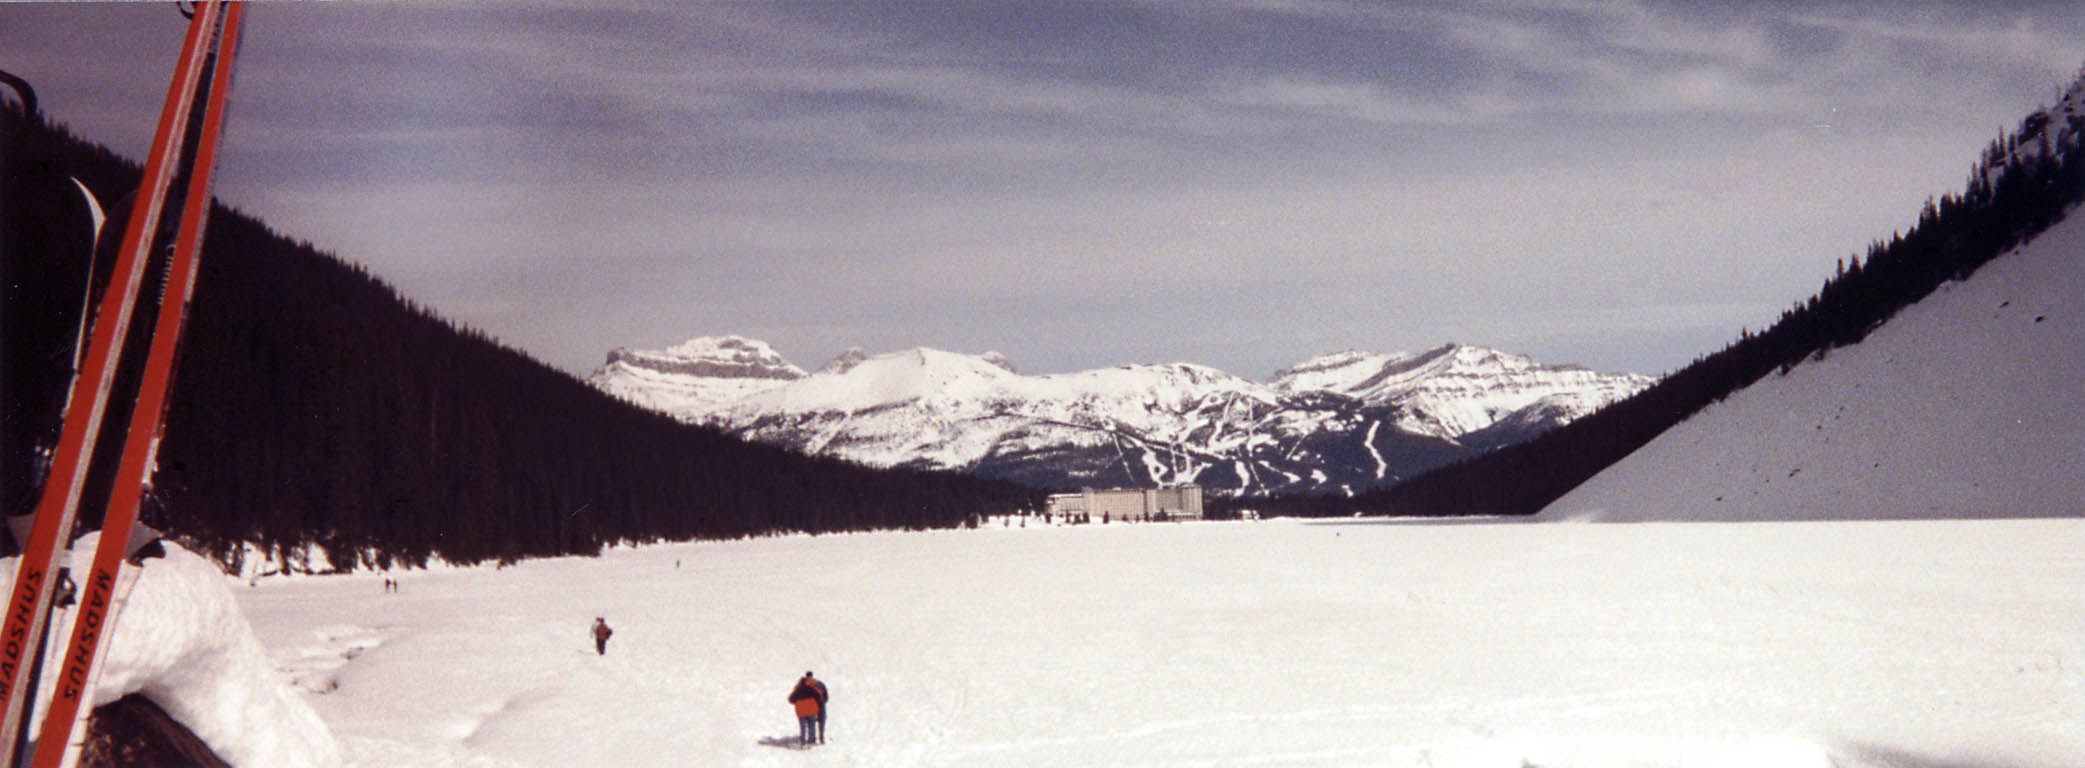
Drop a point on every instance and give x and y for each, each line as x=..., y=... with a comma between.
x=1365, y=642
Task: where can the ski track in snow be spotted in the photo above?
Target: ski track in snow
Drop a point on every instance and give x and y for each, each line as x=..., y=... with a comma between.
x=1855, y=645
x=316, y=667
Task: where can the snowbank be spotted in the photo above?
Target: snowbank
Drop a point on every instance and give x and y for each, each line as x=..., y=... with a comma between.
x=182, y=642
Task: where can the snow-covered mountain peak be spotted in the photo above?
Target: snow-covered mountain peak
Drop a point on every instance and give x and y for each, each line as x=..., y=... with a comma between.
x=877, y=381
x=1333, y=371
x=725, y=357
x=1455, y=389
x=1326, y=362
x=996, y=358
x=1447, y=360
x=694, y=376
x=1357, y=372
x=846, y=361
x=730, y=347
x=1375, y=376
x=1180, y=371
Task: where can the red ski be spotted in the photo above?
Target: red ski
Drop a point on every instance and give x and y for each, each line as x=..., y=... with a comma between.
x=29, y=601
x=98, y=598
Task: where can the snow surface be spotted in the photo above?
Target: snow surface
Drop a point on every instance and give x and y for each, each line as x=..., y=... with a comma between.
x=1903, y=644
x=1963, y=405
x=181, y=640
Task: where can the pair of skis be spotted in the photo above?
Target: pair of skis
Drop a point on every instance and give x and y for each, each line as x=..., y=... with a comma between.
x=207, y=51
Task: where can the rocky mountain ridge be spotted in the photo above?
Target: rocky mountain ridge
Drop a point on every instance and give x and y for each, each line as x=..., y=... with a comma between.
x=1335, y=423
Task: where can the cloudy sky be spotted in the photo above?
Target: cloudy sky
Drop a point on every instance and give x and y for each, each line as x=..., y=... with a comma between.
x=1238, y=183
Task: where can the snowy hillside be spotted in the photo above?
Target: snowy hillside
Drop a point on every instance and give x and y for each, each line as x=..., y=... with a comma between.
x=1855, y=645
x=1338, y=422
x=1963, y=405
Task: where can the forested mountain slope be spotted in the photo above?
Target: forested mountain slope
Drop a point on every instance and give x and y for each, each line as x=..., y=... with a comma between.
x=1964, y=405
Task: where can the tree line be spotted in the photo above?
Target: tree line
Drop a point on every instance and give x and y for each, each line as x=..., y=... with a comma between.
x=315, y=409
x=2024, y=181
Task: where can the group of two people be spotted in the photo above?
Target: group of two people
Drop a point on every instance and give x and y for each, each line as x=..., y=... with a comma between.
x=809, y=697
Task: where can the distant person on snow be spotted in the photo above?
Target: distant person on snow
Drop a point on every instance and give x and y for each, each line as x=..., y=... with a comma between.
x=601, y=633
x=809, y=699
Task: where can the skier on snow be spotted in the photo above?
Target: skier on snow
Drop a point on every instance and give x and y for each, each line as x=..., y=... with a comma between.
x=601, y=633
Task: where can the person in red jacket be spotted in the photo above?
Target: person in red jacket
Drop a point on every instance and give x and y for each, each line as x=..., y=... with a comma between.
x=601, y=633
x=809, y=700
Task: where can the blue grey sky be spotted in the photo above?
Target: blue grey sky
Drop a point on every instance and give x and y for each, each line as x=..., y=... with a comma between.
x=1236, y=183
